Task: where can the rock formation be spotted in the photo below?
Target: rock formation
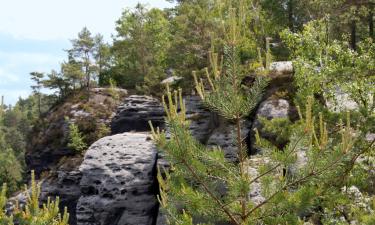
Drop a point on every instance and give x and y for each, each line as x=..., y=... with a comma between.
x=115, y=182
x=118, y=182
x=135, y=112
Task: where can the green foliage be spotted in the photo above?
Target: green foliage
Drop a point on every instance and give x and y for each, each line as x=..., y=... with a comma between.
x=15, y=124
x=308, y=173
x=76, y=140
x=10, y=169
x=198, y=24
x=102, y=131
x=112, y=89
x=32, y=213
x=322, y=65
x=140, y=49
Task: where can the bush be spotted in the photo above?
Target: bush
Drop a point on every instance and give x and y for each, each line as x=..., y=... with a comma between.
x=76, y=140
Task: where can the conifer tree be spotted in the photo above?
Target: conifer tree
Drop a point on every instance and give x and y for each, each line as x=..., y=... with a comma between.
x=37, y=78
x=76, y=140
x=84, y=50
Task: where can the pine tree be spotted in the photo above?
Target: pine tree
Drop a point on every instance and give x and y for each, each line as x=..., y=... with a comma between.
x=83, y=51
x=76, y=140
x=37, y=78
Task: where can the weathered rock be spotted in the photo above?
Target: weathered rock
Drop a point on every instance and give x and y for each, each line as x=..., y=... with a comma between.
x=49, y=146
x=281, y=68
x=253, y=164
x=64, y=182
x=135, y=112
x=341, y=102
x=225, y=135
x=274, y=108
x=118, y=182
x=370, y=137
x=202, y=121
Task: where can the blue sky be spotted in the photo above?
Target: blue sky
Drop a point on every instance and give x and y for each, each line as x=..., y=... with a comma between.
x=34, y=33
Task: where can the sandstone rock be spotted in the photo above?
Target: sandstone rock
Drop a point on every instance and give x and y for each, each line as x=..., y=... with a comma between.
x=274, y=108
x=341, y=102
x=225, y=135
x=202, y=121
x=64, y=182
x=135, y=112
x=253, y=165
x=118, y=182
x=48, y=147
x=281, y=68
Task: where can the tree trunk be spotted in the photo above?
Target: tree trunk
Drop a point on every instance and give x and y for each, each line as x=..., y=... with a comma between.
x=39, y=105
x=353, y=38
x=290, y=15
x=371, y=21
x=88, y=77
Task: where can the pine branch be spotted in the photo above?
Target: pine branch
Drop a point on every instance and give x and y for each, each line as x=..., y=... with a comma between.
x=299, y=181
x=206, y=188
x=277, y=165
x=212, y=195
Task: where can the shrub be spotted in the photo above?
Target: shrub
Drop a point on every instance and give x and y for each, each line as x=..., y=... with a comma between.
x=76, y=140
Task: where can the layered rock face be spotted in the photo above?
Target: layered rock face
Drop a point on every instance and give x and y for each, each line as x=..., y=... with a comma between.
x=118, y=182
x=135, y=112
x=202, y=121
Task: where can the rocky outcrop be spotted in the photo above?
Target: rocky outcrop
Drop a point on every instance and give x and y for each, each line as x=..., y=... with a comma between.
x=48, y=144
x=118, y=182
x=115, y=183
x=135, y=112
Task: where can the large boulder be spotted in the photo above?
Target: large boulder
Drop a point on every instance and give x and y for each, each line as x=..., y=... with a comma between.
x=135, y=112
x=274, y=108
x=281, y=68
x=118, y=182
